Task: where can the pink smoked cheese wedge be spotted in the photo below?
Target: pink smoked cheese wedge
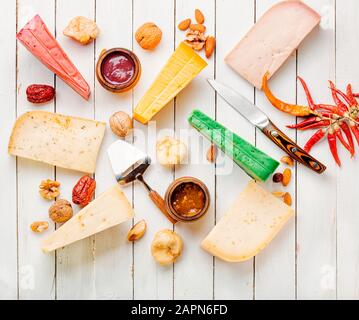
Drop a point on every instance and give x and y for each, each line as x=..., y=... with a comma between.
x=272, y=40
x=36, y=37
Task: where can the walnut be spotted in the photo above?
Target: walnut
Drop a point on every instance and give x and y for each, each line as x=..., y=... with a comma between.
x=82, y=30
x=195, y=39
x=121, y=124
x=60, y=211
x=49, y=189
x=39, y=226
x=148, y=36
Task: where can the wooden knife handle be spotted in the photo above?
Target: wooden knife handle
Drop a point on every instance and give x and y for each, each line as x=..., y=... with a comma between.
x=292, y=149
x=160, y=204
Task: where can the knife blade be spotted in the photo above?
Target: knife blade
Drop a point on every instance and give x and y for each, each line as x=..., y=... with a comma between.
x=261, y=121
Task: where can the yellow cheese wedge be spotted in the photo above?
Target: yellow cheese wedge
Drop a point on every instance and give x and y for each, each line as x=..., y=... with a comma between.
x=249, y=226
x=59, y=140
x=180, y=69
x=107, y=210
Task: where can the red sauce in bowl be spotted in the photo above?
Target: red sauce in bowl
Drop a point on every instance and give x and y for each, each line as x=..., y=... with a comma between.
x=118, y=68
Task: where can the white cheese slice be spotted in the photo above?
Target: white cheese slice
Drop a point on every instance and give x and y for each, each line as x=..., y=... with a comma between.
x=107, y=210
x=59, y=140
x=249, y=226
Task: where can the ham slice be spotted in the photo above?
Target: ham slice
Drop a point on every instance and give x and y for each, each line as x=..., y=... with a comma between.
x=272, y=40
x=36, y=37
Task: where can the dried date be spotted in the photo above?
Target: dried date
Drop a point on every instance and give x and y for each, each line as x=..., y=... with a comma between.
x=83, y=191
x=40, y=93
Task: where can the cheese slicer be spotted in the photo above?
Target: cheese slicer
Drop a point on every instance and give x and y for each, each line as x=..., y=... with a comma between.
x=129, y=164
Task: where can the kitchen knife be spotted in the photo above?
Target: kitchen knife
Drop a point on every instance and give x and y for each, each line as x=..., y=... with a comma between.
x=260, y=120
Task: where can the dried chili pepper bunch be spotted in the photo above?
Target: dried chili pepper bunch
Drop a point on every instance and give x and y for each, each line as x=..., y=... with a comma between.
x=334, y=122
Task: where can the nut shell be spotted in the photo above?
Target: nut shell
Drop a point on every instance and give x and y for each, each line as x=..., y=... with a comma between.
x=166, y=247
x=137, y=231
x=121, y=124
x=148, y=36
x=60, y=211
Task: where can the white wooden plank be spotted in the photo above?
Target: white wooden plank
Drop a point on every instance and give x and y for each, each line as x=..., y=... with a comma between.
x=275, y=266
x=347, y=71
x=8, y=207
x=232, y=281
x=317, y=195
x=194, y=271
x=75, y=263
x=152, y=281
x=113, y=263
x=36, y=270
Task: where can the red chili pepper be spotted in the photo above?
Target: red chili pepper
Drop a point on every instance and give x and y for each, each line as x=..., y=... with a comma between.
x=332, y=140
x=304, y=123
x=351, y=95
x=344, y=96
x=339, y=134
x=319, y=124
x=355, y=131
x=349, y=136
x=342, y=107
x=307, y=93
x=319, y=135
x=331, y=108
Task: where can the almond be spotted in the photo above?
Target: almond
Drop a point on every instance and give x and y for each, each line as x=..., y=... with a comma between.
x=198, y=27
x=287, y=160
x=287, y=199
x=199, y=16
x=278, y=194
x=184, y=24
x=210, y=45
x=287, y=174
x=212, y=153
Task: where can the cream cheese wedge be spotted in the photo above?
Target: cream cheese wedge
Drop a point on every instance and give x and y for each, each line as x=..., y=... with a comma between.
x=249, y=226
x=107, y=210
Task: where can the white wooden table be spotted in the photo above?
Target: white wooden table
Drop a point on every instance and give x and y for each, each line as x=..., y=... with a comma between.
x=317, y=254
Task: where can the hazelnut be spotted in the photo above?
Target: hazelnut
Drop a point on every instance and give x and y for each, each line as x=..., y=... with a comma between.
x=278, y=177
x=166, y=247
x=137, y=231
x=49, y=189
x=60, y=211
x=121, y=124
x=39, y=226
x=148, y=36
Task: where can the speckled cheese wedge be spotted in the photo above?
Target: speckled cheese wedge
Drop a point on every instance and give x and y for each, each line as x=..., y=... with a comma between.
x=181, y=68
x=36, y=37
x=59, y=140
x=249, y=226
x=107, y=210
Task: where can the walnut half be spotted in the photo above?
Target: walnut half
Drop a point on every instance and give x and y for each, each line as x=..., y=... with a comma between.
x=82, y=30
x=49, y=189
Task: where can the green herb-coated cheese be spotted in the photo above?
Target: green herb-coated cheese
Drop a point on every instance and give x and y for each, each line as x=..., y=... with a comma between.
x=254, y=162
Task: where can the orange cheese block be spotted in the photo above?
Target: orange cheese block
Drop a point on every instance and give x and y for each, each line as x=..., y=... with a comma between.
x=36, y=37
